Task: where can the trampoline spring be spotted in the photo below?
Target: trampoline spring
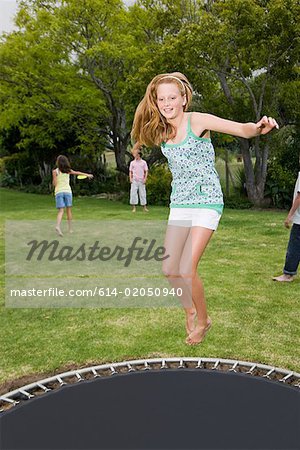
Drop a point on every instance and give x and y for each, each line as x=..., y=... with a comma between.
x=181, y=364
x=234, y=367
x=41, y=386
x=289, y=375
x=146, y=366
x=216, y=365
x=113, y=370
x=79, y=377
x=61, y=382
x=163, y=364
x=267, y=375
x=95, y=373
x=199, y=365
x=250, y=371
x=27, y=394
x=130, y=368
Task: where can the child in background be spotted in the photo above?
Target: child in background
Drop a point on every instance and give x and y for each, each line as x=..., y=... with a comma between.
x=138, y=172
x=292, y=258
x=63, y=191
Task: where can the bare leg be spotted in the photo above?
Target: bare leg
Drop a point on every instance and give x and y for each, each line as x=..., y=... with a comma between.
x=175, y=242
x=69, y=217
x=200, y=238
x=58, y=221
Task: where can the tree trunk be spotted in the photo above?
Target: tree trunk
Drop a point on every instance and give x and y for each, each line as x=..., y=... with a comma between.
x=120, y=139
x=255, y=177
x=117, y=123
x=120, y=151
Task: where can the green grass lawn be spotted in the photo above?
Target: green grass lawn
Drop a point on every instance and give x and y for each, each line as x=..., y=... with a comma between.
x=254, y=319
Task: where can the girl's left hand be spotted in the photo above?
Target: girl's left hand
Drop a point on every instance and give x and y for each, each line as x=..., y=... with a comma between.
x=266, y=124
x=90, y=176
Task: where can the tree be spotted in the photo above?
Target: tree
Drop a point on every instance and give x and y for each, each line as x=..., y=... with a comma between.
x=42, y=96
x=238, y=55
x=74, y=72
x=72, y=79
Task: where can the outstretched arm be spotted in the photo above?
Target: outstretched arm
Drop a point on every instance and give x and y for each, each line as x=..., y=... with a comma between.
x=248, y=130
x=76, y=172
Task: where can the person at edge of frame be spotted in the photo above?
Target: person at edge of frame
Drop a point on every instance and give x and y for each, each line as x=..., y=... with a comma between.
x=292, y=257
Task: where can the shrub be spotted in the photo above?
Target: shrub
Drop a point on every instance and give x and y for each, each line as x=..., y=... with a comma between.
x=21, y=172
x=18, y=170
x=45, y=187
x=240, y=177
x=159, y=186
x=237, y=201
x=280, y=185
x=283, y=167
x=102, y=182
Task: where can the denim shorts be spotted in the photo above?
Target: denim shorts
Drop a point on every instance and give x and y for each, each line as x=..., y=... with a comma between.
x=63, y=200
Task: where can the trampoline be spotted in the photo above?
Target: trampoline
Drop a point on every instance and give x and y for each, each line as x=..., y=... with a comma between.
x=174, y=403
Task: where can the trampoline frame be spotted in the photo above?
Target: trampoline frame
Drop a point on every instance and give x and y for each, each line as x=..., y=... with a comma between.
x=45, y=385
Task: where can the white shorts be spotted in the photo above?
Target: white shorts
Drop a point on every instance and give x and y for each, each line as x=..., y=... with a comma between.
x=194, y=217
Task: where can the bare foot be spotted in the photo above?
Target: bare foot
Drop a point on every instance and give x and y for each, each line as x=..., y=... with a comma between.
x=190, y=321
x=198, y=334
x=133, y=210
x=284, y=277
x=146, y=209
x=58, y=231
x=71, y=231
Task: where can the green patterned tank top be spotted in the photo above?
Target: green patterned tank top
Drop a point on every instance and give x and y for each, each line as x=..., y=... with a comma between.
x=195, y=181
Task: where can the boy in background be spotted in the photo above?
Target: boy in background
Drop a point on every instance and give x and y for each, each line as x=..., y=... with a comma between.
x=138, y=172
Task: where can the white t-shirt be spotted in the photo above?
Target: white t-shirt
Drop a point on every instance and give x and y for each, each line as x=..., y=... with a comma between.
x=296, y=216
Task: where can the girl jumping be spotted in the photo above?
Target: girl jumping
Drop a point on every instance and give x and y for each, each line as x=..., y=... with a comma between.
x=161, y=119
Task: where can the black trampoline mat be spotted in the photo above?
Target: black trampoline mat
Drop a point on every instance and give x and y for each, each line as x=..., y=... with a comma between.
x=167, y=409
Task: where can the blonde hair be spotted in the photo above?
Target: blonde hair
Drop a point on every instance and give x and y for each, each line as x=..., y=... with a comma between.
x=149, y=126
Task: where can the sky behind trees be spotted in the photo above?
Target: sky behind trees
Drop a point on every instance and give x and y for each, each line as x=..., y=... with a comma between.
x=8, y=9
